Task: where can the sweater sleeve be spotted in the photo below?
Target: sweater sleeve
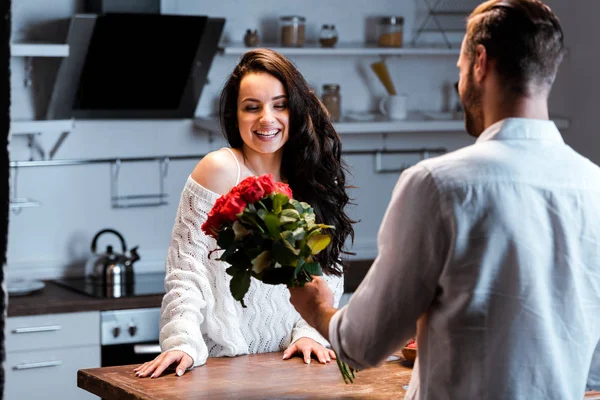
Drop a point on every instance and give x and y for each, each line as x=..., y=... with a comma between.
x=187, y=283
x=303, y=329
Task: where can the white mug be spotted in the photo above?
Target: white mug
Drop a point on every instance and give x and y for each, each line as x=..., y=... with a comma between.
x=394, y=106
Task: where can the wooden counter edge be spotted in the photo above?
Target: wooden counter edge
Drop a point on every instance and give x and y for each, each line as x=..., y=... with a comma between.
x=97, y=386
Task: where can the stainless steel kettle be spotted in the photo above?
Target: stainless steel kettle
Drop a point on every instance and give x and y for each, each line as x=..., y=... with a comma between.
x=110, y=268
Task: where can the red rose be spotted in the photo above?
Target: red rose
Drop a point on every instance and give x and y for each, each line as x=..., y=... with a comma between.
x=253, y=192
x=233, y=206
x=284, y=188
x=214, y=219
x=268, y=183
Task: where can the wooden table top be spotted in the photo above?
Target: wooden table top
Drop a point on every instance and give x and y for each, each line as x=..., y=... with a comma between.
x=257, y=376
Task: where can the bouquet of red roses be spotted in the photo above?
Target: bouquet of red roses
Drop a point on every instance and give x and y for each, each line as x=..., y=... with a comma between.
x=267, y=235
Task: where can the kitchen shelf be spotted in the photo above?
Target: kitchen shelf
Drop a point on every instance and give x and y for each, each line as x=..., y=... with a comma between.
x=343, y=49
x=41, y=126
x=31, y=129
x=416, y=123
x=39, y=50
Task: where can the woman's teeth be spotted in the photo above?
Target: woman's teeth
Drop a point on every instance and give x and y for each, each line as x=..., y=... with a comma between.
x=267, y=133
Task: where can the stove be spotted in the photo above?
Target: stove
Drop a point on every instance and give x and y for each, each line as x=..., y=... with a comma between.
x=127, y=336
x=142, y=285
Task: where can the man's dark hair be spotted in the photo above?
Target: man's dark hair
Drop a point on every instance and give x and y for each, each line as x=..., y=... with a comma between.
x=523, y=37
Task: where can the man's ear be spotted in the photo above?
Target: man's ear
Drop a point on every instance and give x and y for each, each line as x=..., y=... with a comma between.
x=481, y=64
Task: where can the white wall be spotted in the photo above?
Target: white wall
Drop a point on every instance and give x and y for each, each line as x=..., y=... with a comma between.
x=53, y=239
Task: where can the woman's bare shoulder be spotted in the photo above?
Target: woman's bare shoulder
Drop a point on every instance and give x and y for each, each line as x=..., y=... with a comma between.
x=217, y=171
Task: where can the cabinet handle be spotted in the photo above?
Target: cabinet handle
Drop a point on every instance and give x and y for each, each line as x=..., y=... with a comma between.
x=33, y=329
x=146, y=349
x=42, y=364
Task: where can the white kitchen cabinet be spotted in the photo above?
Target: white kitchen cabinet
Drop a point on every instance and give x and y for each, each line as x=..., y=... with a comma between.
x=44, y=353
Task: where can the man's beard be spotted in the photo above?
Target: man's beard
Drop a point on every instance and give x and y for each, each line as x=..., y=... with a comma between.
x=471, y=101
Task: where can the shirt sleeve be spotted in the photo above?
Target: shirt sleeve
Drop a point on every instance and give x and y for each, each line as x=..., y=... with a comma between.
x=402, y=282
x=303, y=329
x=186, y=283
x=593, y=382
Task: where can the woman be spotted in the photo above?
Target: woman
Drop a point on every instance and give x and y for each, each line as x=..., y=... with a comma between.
x=274, y=124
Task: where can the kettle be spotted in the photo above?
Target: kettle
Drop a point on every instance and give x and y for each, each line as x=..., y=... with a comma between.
x=112, y=269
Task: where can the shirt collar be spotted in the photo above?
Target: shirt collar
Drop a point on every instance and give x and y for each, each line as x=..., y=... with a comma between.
x=522, y=129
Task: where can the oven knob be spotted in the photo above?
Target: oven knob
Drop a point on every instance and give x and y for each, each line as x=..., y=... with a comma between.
x=132, y=329
x=116, y=331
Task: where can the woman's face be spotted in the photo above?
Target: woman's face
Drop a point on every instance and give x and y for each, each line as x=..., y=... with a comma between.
x=263, y=114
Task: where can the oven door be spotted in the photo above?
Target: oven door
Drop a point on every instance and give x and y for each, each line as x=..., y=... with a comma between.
x=129, y=336
x=129, y=353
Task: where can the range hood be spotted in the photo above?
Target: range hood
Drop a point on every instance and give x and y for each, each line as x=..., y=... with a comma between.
x=134, y=66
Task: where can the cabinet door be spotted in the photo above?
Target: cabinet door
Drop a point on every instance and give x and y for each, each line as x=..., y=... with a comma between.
x=49, y=374
x=52, y=331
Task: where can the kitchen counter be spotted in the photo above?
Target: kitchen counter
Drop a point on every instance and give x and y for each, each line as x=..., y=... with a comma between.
x=257, y=376
x=54, y=299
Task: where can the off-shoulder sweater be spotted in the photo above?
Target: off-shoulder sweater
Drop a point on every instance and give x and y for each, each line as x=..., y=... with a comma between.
x=200, y=316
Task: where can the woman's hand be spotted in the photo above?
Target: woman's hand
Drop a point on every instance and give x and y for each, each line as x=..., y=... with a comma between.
x=156, y=367
x=307, y=347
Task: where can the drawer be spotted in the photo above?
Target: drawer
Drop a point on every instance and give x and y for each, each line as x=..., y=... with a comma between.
x=52, y=331
x=49, y=374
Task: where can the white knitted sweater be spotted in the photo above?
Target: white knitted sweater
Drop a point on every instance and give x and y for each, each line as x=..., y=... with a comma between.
x=200, y=316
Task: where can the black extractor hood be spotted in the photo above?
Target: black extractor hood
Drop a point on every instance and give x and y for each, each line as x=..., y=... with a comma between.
x=134, y=66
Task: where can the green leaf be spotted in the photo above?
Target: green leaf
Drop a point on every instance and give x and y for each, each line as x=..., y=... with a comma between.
x=288, y=236
x=239, y=285
x=272, y=223
x=276, y=276
x=298, y=234
x=249, y=218
x=226, y=237
x=262, y=213
x=226, y=255
x=239, y=260
x=283, y=254
x=297, y=206
x=313, y=268
x=278, y=201
x=318, y=242
x=288, y=216
x=299, y=266
x=262, y=261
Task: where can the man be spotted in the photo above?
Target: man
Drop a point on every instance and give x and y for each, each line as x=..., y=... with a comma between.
x=491, y=254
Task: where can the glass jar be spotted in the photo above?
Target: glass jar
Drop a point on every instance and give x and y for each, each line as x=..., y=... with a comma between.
x=328, y=36
x=292, y=30
x=390, y=31
x=251, y=38
x=332, y=101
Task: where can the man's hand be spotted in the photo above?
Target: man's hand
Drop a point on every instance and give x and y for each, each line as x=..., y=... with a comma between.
x=314, y=303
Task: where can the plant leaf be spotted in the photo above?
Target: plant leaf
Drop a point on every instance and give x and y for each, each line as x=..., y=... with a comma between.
x=272, y=223
x=261, y=213
x=298, y=234
x=262, y=261
x=277, y=276
x=239, y=285
x=318, y=242
x=288, y=216
x=283, y=254
x=278, y=201
x=299, y=266
x=313, y=268
x=225, y=238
